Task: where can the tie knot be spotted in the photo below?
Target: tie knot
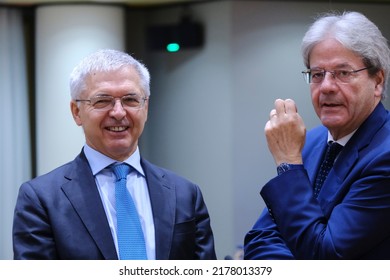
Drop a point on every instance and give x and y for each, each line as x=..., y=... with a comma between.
x=334, y=149
x=121, y=170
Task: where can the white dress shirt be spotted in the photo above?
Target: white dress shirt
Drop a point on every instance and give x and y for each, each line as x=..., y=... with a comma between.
x=342, y=141
x=136, y=185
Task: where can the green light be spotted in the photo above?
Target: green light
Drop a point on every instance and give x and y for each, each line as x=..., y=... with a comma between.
x=173, y=47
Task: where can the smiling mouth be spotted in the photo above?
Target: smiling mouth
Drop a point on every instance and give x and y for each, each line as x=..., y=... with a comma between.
x=117, y=128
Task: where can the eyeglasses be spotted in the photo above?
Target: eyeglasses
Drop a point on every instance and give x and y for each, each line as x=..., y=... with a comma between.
x=107, y=102
x=317, y=75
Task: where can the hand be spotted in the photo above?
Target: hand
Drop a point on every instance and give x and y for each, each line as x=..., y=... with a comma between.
x=285, y=132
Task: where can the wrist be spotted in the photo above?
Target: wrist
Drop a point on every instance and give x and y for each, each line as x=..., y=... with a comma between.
x=284, y=166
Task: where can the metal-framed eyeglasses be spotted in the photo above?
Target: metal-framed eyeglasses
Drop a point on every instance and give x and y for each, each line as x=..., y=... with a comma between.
x=107, y=102
x=316, y=76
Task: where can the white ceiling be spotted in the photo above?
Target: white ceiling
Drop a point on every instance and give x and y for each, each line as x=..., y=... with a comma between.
x=127, y=2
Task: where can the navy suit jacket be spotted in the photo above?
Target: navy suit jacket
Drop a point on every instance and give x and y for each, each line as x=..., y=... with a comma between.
x=60, y=216
x=350, y=219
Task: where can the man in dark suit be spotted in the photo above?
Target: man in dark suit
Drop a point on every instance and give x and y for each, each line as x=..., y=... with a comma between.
x=348, y=216
x=70, y=213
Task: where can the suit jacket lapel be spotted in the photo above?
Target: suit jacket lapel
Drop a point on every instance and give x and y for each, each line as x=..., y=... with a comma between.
x=334, y=187
x=84, y=196
x=315, y=158
x=163, y=200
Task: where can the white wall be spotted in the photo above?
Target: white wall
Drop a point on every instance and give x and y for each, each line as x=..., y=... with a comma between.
x=15, y=160
x=64, y=35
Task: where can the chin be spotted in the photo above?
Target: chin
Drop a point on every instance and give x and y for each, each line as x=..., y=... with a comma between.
x=123, y=149
x=333, y=122
x=334, y=126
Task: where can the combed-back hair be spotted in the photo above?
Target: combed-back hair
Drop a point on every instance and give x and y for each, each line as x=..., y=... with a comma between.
x=105, y=60
x=356, y=33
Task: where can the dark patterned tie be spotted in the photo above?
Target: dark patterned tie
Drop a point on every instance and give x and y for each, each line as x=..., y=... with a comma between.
x=131, y=242
x=331, y=153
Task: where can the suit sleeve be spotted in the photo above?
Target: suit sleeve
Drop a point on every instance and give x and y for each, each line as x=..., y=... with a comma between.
x=32, y=236
x=204, y=237
x=264, y=241
x=354, y=227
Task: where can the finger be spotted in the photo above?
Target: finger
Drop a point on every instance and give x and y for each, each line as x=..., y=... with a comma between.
x=272, y=114
x=279, y=107
x=290, y=106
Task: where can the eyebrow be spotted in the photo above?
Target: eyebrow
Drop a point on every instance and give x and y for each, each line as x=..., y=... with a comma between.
x=338, y=66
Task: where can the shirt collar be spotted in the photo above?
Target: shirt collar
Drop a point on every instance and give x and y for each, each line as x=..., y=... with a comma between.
x=99, y=161
x=342, y=141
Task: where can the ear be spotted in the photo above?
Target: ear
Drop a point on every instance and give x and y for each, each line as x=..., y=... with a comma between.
x=379, y=83
x=75, y=112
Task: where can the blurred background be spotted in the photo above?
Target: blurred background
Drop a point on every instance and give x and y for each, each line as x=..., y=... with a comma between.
x=209, y=100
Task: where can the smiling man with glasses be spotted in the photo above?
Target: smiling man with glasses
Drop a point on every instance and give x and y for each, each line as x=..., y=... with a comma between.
x=331, y=197
x=109, y=202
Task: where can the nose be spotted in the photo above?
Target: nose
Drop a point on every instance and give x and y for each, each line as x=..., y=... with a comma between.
x=329, y=81
x=117, y=111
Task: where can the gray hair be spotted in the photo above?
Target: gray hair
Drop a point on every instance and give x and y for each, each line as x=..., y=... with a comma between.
x=105, y=61
x=356, y=33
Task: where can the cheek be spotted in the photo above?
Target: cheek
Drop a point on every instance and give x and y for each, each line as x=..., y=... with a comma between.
x=315, y=101
x=140, y=118
x=91, y=123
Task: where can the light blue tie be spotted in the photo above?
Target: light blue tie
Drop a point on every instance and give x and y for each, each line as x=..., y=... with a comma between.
x=131, y=242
